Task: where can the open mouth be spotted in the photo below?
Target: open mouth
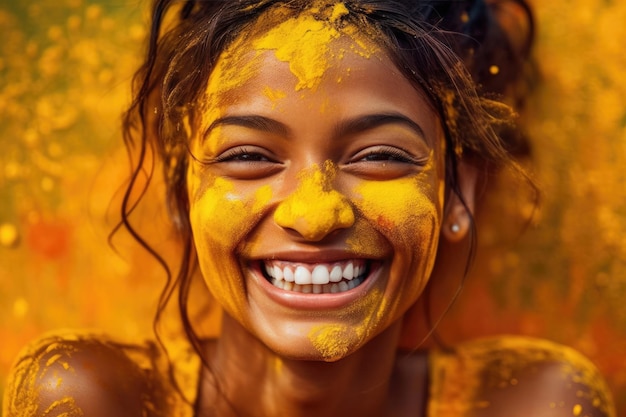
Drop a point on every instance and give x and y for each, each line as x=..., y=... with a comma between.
x=307, y=278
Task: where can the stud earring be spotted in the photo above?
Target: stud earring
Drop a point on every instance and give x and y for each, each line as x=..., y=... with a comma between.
x=455, y=228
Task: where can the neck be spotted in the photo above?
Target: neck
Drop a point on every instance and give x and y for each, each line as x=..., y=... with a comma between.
x=257, y=382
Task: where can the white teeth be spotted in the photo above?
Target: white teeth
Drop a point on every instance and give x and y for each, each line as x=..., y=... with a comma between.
x=288, y=274
x=322, y=279
x=302, y=276
x=320, y=275
x=335, y=274
x=278, y=273
x=348, y=271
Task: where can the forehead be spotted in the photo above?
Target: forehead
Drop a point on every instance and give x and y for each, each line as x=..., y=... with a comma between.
x=318, y=59
x=310, y=42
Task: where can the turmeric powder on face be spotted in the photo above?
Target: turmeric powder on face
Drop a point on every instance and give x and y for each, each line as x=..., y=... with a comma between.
x=221, y=218
x=315, y=208
x=297, y=98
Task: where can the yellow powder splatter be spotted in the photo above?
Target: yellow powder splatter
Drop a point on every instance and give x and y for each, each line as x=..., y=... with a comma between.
x=304, y=42
x=338, y=11
x=53, y=359
x=332, y=340
x=262, y=196
x=406, y=200
x=460, y=377
x=68, y=407
x=315, y=208
x=274, y=95
x=221, y=217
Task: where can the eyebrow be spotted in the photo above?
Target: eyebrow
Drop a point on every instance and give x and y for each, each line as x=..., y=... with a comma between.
x=347, y=127
x=372, y=121
x=262, y=123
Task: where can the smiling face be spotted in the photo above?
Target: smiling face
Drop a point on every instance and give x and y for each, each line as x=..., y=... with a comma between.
x=316, y=187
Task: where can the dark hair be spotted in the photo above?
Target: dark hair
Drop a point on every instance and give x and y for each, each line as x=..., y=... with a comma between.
x=446, y=48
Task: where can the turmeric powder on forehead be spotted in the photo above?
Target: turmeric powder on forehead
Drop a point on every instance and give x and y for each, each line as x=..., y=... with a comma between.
x=304, y=43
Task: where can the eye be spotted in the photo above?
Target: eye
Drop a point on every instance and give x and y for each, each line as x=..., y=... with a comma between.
x=246, y=162
x=384, y=153
x=385, y=162
x=243, y=154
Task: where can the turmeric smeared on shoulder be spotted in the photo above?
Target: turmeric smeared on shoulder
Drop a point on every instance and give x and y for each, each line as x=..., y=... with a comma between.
x=534, y=375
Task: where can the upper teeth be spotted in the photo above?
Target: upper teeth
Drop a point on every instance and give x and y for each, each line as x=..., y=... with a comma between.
x=321, y=274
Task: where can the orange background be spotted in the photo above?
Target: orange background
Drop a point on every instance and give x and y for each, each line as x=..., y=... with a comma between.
x=65, y=70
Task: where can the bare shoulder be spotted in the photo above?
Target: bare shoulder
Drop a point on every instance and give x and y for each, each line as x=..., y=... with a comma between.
x=74, y=375
x=517, y=376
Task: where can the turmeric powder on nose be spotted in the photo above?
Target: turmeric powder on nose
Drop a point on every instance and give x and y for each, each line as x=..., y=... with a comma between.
x=315, y=208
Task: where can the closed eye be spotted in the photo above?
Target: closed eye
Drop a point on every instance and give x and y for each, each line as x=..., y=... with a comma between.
x=243, y=154
x=246, y=163
x=385, y=162
x=387, y=154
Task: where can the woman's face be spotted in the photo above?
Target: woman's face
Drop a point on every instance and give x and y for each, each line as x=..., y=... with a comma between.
x=317, y=191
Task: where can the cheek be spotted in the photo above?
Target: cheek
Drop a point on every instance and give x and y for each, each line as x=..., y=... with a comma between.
x=220, y=219
x=406, y=209
x=408, y=213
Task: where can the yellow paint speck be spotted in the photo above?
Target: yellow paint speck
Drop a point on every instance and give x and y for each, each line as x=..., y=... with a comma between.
x=494, y=69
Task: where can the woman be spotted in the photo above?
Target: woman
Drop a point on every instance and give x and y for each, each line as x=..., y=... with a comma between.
x=319, y=156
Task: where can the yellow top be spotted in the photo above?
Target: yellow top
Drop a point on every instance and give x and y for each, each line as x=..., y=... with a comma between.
x=512, y=376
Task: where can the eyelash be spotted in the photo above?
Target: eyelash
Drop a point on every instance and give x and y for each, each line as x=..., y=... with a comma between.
x=390, y=154
x=382, y=154
x=242, y=155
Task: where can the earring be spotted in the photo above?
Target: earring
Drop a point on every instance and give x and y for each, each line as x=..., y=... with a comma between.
x=455, y=228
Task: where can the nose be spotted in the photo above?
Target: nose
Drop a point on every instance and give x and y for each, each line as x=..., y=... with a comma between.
x=315, y=208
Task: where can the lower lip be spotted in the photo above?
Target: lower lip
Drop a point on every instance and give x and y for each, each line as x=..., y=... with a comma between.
x=298, y=300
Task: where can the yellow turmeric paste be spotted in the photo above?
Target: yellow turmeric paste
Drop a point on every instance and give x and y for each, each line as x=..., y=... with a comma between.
x=332, y=340
x=304, y=43
x=315, y=208
x=336, y=340
x=224, y=216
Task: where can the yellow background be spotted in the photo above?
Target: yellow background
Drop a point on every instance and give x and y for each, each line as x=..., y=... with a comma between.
x=65, y=70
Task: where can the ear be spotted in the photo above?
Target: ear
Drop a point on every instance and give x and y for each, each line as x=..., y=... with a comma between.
x=457, y=218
